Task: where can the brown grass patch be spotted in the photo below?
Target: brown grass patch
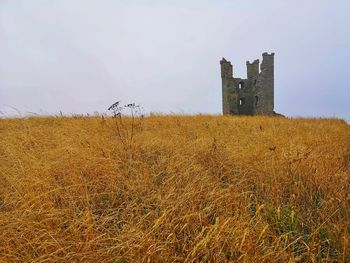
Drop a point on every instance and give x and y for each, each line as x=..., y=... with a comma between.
x=185, y=189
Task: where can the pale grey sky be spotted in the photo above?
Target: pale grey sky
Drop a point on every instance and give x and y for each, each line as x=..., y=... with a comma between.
x=79, y=56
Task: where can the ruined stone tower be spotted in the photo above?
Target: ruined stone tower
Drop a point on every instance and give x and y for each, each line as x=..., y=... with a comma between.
x=250, y=96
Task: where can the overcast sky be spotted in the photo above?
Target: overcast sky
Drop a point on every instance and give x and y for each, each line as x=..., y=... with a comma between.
x=79, y=56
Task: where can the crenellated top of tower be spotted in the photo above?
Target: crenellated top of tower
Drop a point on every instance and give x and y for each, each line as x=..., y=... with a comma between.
x=253, y=69
x=254, y=62
x=267, y=54
x=223, y=60
x=226, y=69
x=268, y=62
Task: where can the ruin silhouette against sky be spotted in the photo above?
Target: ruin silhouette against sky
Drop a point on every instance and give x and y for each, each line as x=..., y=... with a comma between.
x=253, y=95
x=81, y=56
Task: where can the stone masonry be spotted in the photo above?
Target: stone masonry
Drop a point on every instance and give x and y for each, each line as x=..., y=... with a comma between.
x=253, y=95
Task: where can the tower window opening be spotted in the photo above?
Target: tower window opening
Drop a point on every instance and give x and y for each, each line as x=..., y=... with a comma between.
x=241, y=85
x=256, y=101
x=241, y=101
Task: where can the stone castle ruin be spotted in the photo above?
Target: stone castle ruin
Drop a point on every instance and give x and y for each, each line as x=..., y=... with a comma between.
x=253, y=95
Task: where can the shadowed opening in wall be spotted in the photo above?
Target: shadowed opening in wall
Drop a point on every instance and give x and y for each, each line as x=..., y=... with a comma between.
x=241, y=101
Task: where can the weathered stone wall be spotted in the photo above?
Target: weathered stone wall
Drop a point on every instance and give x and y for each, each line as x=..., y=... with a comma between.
x=254, y=95
x=253, y=69
x=229, y=96
x=267, y=84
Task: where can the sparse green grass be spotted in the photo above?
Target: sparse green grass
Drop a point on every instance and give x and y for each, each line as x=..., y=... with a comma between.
x=184, y=189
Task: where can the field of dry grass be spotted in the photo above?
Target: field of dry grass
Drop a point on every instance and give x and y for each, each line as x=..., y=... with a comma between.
x=181, y=189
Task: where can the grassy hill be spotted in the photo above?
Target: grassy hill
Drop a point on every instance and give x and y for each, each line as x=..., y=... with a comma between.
x=174, y=189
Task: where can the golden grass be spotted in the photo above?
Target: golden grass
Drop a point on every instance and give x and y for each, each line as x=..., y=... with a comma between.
x=185, y=189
